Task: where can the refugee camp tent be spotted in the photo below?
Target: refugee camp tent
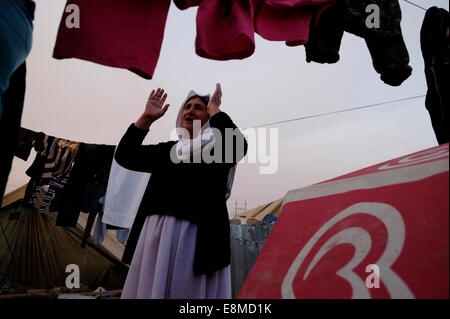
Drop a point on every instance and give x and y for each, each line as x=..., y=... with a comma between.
x=260, y=212
x=380, y=232
x=34, y=252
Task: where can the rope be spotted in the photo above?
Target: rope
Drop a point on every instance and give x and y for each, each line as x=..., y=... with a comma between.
x=340, y=111
x=415, y=5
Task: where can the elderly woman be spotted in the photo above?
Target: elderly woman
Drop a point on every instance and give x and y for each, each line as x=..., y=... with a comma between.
x=183, y=250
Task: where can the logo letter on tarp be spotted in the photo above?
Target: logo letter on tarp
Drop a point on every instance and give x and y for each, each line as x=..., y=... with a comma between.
x=395, y=227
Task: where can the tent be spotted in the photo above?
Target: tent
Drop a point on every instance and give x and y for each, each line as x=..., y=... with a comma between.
x=260, y=212
x=380, y=232
x=34, y=252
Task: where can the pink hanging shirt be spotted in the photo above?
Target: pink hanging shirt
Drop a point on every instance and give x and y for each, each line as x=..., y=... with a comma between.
x=286, y=20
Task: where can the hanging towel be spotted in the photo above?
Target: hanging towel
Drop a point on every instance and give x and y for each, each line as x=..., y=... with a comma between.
x=123, y=195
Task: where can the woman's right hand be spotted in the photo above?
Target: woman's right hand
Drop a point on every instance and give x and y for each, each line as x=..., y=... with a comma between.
x=154, y=109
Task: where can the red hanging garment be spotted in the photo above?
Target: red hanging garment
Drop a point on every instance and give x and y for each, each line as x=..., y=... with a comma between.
x=119, y=33
x=286, y=20
x=225, y=30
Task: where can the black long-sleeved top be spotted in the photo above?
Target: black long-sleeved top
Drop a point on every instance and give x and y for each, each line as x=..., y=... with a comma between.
x=189, y=191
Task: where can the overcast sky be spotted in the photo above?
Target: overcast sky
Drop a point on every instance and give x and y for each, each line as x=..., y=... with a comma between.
x=87, y=102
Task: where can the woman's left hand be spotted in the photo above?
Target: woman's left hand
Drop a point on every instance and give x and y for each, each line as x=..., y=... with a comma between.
x=215, y=101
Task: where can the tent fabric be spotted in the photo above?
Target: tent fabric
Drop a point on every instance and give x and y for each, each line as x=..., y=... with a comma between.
x=392, y=216
x=260, y=212
x=109, y=246
x=37, y=252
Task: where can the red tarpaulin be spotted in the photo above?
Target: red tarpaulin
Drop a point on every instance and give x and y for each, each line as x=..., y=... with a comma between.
x=381, y=232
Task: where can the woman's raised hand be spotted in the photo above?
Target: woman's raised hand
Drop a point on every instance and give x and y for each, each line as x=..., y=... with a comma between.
x=215, y=101
x=154, y=109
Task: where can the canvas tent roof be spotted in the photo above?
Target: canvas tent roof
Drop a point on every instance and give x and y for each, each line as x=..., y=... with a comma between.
x=35, y=252
x=260, y=212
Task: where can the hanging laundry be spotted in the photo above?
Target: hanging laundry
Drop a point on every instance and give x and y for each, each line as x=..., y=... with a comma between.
x=224, y=29
x=325, y=38
x=92, y=207
x=387, y=48
x=40, y=198
x=434, y=40
x=13, y=99
x=124, y=195
x=27, y=140
x=184, y=4
x=35, y=172
x=60, y=158
x=91, y=166
x=286, y=20
x=55, y=186
x=118, y=33
x=101, y=228
x=93, y=204
x=53, y=162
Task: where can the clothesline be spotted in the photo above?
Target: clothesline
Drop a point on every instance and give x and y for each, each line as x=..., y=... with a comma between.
x=412, y=3
x=340, y=111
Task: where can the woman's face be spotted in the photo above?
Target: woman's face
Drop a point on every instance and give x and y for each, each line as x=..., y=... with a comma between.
x=193, y=110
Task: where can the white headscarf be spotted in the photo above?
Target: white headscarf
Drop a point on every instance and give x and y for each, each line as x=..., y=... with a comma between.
x=186, y=146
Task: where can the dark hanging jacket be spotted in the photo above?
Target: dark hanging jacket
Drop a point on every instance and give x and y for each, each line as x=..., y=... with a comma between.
x=92, y=165
x=387, y=48
x=190, y=191
x=434, y=41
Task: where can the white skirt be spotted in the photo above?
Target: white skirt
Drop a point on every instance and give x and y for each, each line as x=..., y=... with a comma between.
x=162, y=265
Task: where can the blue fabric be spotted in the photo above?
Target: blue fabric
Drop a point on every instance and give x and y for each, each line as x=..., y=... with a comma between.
x=122, y=235
x=100, y=232
x=100, y=229
x=16, y=29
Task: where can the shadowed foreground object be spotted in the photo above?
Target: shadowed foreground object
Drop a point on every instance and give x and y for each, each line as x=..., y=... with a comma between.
x=34, y=253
